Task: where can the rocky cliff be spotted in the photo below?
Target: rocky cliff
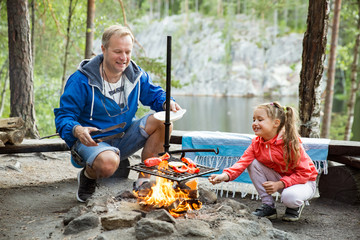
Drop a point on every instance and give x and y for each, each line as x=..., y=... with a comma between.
x=234, y=57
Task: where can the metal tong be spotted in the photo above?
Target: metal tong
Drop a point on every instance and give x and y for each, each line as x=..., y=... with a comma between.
x=101, y=139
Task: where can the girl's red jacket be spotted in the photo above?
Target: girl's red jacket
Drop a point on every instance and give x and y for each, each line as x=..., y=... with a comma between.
x=270, y=153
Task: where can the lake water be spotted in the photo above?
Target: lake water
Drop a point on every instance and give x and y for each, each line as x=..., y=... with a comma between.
x=224, y=114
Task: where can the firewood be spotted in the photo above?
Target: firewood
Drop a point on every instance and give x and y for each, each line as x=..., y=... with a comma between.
x=11, y=123
x=16, y=136
x=342, y=183
x=4, y=137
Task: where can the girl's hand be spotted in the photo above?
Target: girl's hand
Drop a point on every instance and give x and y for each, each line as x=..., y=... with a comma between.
x=218, y=178
x=272, y=187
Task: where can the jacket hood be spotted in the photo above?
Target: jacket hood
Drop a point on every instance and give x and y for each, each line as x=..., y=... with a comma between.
x=91, y=69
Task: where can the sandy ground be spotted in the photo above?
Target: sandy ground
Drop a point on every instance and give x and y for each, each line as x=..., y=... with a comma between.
x=36, y=190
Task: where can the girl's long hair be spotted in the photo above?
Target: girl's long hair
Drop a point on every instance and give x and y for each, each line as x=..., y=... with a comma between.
x=288, y=119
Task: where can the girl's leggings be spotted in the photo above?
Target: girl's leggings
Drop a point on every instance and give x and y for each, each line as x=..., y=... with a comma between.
x=292, y=197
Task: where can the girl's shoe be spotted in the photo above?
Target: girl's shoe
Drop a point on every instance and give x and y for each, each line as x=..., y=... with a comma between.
x=293, y=214
x=266, y=211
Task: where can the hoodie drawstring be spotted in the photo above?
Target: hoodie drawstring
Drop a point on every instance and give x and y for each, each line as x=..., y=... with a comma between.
x=92, y=103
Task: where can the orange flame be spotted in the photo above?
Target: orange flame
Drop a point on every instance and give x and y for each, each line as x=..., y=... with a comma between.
x=164, y=195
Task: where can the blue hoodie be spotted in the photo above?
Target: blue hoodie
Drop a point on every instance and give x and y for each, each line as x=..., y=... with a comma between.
x=83, y=102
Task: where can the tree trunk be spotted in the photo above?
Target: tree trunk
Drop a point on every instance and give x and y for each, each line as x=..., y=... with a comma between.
x=90, y=29
x=63, y=81
x=313, y=56
x=33, y=31
x=354, y=84
x=151, y=11
x=20, y=66
x=325, y=129
x=3, y=91
x=219, y=8
x=166, y=8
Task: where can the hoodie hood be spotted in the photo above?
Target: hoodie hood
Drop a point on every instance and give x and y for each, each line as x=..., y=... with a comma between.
x=91, y=69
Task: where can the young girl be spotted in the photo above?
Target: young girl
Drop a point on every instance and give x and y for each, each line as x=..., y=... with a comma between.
x=276, y=162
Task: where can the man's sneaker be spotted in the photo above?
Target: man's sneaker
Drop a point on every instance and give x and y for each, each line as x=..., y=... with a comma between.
x=266, y=211
x=86, y=186
x=293, y=214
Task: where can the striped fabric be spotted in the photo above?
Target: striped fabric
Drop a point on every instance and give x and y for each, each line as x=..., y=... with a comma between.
x=233, y=145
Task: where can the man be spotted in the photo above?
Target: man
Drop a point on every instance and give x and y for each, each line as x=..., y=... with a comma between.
x=104, y=92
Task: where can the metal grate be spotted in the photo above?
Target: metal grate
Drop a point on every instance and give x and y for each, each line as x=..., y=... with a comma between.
x=170, y=173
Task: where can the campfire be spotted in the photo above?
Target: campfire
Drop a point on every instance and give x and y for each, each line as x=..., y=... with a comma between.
x=176, y=186
x=177, y=198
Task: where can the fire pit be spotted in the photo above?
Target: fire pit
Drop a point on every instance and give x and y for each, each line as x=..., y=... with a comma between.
x=174, y=191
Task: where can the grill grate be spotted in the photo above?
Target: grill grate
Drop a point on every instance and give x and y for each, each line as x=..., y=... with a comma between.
x=170, y=173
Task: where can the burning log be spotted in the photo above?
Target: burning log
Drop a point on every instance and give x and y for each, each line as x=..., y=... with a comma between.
x=175, y=197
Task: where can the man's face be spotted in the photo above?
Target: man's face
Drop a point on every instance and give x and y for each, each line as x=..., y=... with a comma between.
x=118, y=54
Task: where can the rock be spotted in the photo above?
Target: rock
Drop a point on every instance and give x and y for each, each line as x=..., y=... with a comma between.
x=235, y=205
x=124, y=194
x=249, y=228
x=206, y=195
x=230, y=68
x=84, y=222
x=147, y=228
x=16, y=166
x=193, y=228
x=225, y=209
x=161, y=215
x=98, y=204
x=278, y=234
x=74, y=213
x=230, y=231
x=124, y=233
x=120, y=219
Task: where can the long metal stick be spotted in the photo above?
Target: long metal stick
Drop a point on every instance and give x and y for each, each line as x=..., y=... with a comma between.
x=168, y=89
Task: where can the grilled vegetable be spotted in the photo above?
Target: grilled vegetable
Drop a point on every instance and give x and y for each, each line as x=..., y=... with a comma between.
x=193, y=170
x=182, y=169
x=189, y=162
x=153, y=161
x=150, y=162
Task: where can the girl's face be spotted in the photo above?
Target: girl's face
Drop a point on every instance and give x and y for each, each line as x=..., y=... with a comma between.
x=263, y=126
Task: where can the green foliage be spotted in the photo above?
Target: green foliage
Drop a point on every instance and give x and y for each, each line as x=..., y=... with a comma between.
x=157, y=69
x=338, y=124
x=50, y=38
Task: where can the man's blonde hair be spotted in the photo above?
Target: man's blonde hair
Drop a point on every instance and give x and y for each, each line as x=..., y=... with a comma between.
x=118, y=30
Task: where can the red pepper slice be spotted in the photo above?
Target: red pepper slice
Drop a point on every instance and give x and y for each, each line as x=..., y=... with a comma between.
x=193, y=170
x=189, y=162
x=166, y=156
x=180, y=170
x=153, y=161
x=150, y=162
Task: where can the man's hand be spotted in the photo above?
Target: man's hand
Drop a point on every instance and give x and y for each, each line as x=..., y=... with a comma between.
x=173, y=106
x=218, y=178
x=83, y=134
x=272, y=187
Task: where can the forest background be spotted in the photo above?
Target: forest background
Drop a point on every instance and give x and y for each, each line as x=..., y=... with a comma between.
x=58, y=33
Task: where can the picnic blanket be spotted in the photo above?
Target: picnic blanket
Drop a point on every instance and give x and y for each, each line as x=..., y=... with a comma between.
x=233, y=145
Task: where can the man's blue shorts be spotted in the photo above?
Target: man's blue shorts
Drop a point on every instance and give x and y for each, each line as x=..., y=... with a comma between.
x=133, y=140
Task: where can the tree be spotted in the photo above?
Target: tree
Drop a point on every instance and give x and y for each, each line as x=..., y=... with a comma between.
x=325, y=129
x=71, y=11
x=90, y=29
x=313, y=56
x=20, y=66
x=354, y=82
x=32, y=6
